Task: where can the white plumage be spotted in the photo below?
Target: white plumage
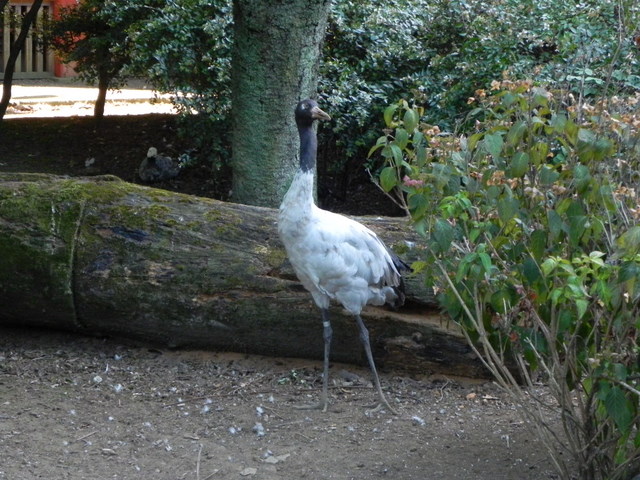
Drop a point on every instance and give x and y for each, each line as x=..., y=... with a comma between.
x=333, y=256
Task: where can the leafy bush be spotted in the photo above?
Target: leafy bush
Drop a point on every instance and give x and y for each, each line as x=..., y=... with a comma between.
x=439, y=52
x=534, y=248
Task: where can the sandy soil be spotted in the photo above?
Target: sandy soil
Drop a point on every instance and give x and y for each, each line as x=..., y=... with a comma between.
x=82, y=408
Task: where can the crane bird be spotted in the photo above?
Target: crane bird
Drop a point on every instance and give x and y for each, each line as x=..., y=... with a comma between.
x=333, y=256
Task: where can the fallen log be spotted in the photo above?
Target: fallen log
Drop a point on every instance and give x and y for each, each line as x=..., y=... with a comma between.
x=105, y=257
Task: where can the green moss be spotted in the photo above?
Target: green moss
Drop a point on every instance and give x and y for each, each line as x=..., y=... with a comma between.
x=212, y=216
x=400, y=248
x=274, y=257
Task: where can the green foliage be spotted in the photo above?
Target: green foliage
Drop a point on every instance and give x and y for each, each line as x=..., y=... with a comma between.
x=184, y=48
x=440, y=52
x=85, y=36
x=531, y=228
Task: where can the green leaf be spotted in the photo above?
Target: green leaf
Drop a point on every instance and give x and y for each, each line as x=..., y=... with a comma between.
x=582, y=306
x=548, y=175
x=540, y=97
x=388, y=114
x=629, y=271
x=485, y=259
x=538, y=243
x=620, y=371
x=493, y=144
x=418, y=204
x=397, y=154
x=582, y=177
x=388, y=178
x=402, y=138
x=519, y=165
x=373, y=149
x=555, y=223
x=507, y=208
x=418, y=138
x=539, y=152
x=577, y=228
x=410, y=120
x=530, y=270
x=629, y=241
x=602, y=148
x=549, y=265
x=421, y=155
x=620, y=408
x=558, y=122
x=586, y=147
x=516, y=132
x=473, y=141
x=442, y=234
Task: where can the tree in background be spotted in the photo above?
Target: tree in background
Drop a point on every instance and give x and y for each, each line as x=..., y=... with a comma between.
x=99, y=49
x=277, y=47
x=16, y=46
x=435, y=53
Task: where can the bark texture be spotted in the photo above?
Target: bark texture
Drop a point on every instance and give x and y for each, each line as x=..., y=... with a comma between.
x=102, y=256
x=14, y=51
x=277, y=47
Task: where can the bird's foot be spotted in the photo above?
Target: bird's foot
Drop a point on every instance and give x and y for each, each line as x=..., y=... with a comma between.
x=314, y=406
x=379, y=407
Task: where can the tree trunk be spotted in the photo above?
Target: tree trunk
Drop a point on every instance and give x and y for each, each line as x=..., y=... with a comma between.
x=14, y=50
x=102, y=256
x=103, y=88
x=275, y=64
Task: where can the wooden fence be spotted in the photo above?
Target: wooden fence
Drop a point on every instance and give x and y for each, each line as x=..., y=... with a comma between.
x=35, y=60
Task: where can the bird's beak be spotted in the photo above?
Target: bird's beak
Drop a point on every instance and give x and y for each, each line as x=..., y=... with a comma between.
x=318, y=114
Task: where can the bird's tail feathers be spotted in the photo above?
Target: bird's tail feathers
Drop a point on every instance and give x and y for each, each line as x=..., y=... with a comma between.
x=398, y=289
x=400, y=296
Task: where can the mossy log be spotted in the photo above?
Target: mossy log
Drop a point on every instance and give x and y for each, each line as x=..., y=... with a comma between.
x=105, y=257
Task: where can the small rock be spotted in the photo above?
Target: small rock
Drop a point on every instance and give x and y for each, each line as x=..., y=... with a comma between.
x=418, y=421
x=249, y=471
x=277, y=459
x=259, y=429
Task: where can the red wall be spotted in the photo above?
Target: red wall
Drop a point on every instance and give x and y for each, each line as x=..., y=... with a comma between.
x=60, y=69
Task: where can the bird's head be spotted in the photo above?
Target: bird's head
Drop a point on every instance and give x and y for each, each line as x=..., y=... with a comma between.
x=307, y=111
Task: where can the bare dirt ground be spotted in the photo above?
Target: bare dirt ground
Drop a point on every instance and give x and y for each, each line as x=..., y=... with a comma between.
x=82, y=408
x=73, y=407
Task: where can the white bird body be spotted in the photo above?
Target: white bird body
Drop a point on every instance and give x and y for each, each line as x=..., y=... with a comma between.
x=333, y=256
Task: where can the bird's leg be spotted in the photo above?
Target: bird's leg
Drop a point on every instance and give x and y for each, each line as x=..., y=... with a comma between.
x=327, y=333
x=364, y=338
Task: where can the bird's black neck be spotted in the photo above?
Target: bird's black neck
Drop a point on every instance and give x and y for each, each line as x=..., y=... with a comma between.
x=308, y=148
